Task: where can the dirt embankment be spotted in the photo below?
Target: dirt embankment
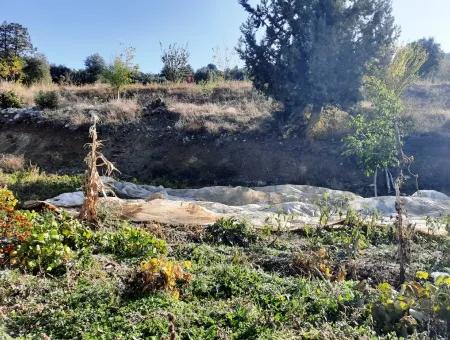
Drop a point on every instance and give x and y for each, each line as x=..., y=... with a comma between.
x=153, y=151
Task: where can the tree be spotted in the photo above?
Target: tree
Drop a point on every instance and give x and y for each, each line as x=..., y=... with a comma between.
x=120, y=72
x=11, y=69
x=176, y=63
x=314, y=52
x=36, y=70
x=377, y=139
x=61, y=74
x=207, y=73
x=95, y=65
x=14, y=40
x=235, y=73
x=435, y=56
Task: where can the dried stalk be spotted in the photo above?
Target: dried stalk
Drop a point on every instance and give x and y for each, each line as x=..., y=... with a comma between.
x=93, y=183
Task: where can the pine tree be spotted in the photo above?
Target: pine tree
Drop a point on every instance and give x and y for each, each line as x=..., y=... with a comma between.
x=314, y=52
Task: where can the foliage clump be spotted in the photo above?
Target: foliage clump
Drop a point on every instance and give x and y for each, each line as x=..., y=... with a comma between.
x=47, y=99
x=10, y=99
x=305, y=53
x=161, y=274
x=231, y=232
x=419, y=302
x=130, y=242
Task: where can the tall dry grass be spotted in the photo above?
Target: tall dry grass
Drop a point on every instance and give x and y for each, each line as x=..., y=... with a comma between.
x=27, y=93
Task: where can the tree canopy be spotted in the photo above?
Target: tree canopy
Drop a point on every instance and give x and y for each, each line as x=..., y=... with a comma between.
x=435, y=56
x=314, y=52
x=15, y=40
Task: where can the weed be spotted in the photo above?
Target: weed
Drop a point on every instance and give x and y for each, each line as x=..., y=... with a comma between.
x=129, y=242
x=231, y=232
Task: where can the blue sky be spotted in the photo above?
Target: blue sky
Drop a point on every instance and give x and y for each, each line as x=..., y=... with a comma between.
x=67, y=31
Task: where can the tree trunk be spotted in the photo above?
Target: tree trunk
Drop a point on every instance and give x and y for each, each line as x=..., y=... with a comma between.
x=118, y=94
x=316, y=113
x=388, y=180
x=375, y=186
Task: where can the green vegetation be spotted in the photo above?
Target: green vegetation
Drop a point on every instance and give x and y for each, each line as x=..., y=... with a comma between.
x=377, y=136
x=47, y=100
x=72, y=281
x=33, y=184
x=176, y=63
x=10, y=99
x=119, y=73
x=306, y=54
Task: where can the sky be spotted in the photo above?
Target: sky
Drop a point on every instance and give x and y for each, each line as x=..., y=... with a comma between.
x=67, y=31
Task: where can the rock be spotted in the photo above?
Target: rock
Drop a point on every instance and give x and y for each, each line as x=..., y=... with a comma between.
x=23, y=114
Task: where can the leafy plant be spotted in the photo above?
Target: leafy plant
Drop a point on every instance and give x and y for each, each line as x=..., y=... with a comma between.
x=10, y=99
x=47, y=99
x=129, y=241
x=417, y=303
x=162, y=274
x=15, y=227
x=231, y=232
x=120, y=72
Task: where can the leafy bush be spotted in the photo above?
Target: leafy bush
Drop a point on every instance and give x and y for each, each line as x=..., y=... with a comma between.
x=231, y=232
x=207, y=73
x=416, y=306
x=10, y=99
x=36, y=70
x=47, y=100
x=130, y=241
x=53, y=240
x=162, y=274
x=15, y=227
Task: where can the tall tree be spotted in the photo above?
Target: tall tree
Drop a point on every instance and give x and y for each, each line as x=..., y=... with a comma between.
x=176, y=63
x=14, y=40
x=435, y=56
x=95, y=65
x=314, y=52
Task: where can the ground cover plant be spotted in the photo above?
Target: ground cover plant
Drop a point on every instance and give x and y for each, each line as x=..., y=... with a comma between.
x=61, y=279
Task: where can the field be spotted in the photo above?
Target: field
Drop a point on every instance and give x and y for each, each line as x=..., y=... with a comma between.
x=63, y=279
x=228, y=281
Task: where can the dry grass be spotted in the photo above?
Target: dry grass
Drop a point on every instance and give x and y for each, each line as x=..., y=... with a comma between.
x=27, y=93
x=11, y=163
x=428, y=106
x=229, y=117
x=113, y=112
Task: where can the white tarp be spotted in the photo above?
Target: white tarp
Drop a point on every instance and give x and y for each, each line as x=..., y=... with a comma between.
x=256, y=204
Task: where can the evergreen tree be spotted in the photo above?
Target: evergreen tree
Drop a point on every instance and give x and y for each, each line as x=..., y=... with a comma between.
x=14, y=40
x=314, y=52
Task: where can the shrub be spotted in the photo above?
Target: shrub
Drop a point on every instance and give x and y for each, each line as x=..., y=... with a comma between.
x=130, y=241
x=36, y=70
x=10, y=99
x=47, y=100
x=418, y=305
x=231, y=232
x=162, y=274
x=15, y=227
x=53, y=240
